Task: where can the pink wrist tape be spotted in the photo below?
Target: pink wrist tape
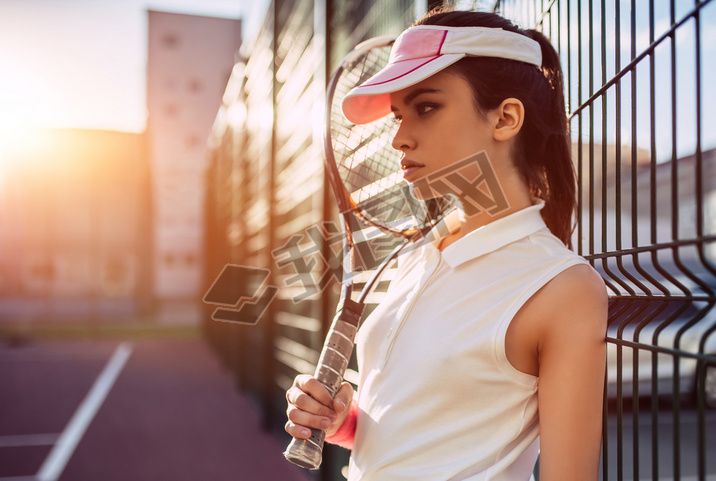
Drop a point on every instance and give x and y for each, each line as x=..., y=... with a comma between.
x=346, y=433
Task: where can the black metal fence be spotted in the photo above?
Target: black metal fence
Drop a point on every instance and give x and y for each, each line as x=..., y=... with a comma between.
x=643, y=129
x=643, y=124
x=267, y=141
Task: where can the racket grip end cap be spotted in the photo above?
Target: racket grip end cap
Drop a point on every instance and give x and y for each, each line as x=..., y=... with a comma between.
x=306, y=453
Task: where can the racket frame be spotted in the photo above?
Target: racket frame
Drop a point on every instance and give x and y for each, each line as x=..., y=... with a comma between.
x=338, y=347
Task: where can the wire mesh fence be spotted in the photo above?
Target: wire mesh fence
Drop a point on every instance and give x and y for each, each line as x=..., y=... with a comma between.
x=642, y=125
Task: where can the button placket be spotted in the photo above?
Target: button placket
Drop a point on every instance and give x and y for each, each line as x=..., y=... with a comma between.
x=433, y=261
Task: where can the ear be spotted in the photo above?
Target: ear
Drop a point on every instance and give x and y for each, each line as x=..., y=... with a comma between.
x=509, y=116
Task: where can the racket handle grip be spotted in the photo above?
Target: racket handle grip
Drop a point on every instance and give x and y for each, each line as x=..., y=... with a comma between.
x=333, y=362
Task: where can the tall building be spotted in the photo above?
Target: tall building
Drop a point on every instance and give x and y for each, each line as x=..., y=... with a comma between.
x=75, y=228
x=190, y=60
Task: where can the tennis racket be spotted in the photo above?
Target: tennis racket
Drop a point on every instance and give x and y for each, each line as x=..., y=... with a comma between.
x=364, y=172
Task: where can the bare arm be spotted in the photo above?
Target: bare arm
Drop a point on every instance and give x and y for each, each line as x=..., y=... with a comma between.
x=572, y=358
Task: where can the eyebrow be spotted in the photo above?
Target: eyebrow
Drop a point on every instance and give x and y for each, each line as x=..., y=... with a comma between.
x=411, y=96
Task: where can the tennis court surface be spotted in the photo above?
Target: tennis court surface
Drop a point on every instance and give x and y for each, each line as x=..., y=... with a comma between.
x=80, y=410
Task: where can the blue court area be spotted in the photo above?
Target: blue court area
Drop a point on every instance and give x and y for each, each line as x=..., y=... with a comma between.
x=81, y=410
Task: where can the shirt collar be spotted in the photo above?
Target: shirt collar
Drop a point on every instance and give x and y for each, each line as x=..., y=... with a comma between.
x=495, y=235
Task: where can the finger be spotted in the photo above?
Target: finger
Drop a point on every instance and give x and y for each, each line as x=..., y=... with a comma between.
x=344, y=398
x=313, y=386
x=300, y=432
x=305, y=419
x=305, y=402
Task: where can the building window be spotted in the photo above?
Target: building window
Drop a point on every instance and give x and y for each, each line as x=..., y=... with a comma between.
x=171, y=110
x=193, y=142
x=170, y=40
x=195, y=86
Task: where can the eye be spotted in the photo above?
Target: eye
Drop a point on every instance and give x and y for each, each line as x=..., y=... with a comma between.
x=425, y=108
x=395, y=119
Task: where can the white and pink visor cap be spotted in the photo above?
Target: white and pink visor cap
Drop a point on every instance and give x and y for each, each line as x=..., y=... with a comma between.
x=422, y=51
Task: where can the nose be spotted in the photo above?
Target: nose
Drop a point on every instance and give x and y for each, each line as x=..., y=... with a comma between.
x=403, y=140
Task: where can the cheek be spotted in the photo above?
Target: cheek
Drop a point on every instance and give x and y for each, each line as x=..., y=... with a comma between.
x=464, y=137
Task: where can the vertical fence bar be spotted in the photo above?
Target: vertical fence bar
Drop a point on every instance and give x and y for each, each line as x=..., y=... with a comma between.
x=270, y=323
x=559, y=31
x=591, y=129
x=653, y=235
x=674, y=231
x=634, y=230
x=698, y=187
x=580, y=159
x=617, y=207
x=699, y=155
x=604, y=206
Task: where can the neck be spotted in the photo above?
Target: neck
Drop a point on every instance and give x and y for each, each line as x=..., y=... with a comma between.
x=516, y=200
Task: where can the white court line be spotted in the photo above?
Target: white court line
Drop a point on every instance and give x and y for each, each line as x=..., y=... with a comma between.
x=19, y=440
x=62, y=451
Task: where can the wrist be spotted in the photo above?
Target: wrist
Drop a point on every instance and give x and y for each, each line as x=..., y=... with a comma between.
x=345, y=434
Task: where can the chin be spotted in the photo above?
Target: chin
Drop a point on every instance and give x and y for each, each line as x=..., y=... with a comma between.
x=420, y=189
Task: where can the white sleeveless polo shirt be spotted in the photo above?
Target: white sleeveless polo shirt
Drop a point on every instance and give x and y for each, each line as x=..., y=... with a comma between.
x=438, y=399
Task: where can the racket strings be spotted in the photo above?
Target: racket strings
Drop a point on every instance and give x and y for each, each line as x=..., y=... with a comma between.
x=368, y=165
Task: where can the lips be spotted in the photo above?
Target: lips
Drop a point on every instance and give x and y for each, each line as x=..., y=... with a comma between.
x=409, y=166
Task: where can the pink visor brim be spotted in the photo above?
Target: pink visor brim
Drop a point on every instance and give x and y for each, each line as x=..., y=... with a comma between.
x=370, y=101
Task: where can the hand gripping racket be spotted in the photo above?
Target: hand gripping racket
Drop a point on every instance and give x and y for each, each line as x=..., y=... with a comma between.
x=364, y=172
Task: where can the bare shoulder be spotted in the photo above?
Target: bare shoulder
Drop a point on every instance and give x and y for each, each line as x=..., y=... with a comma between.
x=575, y=300
x=580, y=280
x=567, y=315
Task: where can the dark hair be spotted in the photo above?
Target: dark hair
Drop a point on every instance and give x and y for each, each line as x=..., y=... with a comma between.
x=542, y=154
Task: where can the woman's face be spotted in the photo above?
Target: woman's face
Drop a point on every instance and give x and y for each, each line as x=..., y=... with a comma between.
x=439, y=125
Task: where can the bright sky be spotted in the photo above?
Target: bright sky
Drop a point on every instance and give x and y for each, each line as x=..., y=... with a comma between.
x=82, y=63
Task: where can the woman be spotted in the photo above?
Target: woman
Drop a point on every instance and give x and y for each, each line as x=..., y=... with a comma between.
x=489, y=346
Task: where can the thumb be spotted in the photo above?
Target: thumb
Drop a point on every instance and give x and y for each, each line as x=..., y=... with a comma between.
x=343, y=398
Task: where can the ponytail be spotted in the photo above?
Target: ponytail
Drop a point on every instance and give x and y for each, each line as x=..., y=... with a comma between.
x=543, y=154
x=558, y=186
